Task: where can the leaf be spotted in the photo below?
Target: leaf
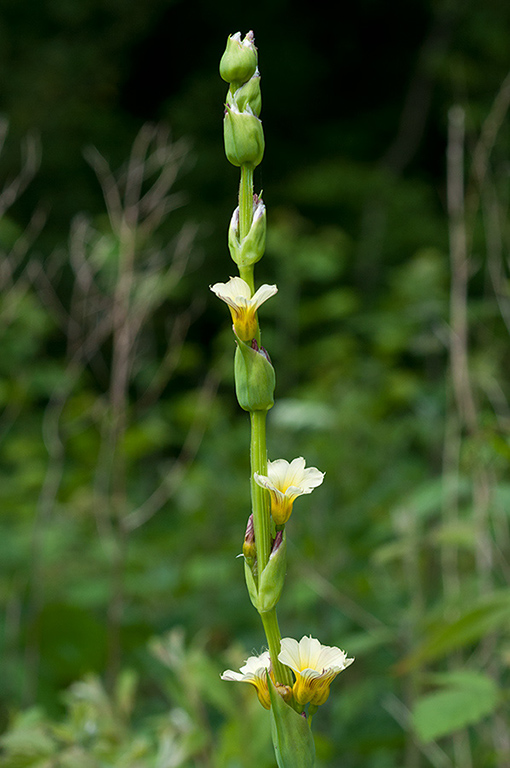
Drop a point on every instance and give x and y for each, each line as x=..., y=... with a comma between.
x=426, y=499
x=490, y=613
x=457, y=533
x=361, y=643
x=292, y=738
x=467, y=697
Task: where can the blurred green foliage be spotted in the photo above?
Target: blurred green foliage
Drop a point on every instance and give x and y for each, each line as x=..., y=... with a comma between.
x=121, y=596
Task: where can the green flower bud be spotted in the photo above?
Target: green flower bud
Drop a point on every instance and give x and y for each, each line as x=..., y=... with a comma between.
x=249, y=95
x=239, y=61
x=254, y=377
x=251, y=248
x=273, y=576
x=243, y=135
x=249, y=549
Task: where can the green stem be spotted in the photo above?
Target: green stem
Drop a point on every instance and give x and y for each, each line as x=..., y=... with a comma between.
x=259, y=496
x=245, y=200
x=246, y=273
x=282, y=674
x=246, y=217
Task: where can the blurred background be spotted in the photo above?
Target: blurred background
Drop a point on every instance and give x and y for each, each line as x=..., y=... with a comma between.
x=123, y=453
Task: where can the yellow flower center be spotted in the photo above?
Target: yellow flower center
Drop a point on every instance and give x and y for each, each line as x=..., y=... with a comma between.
x=313, y=689
x=245, y=322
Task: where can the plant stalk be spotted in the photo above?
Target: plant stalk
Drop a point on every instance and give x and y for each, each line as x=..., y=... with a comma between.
x=246, y=218
x=282, y=674
x=259, y=496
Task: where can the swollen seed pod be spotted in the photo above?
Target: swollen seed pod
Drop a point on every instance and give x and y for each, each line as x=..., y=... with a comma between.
x=255, y=379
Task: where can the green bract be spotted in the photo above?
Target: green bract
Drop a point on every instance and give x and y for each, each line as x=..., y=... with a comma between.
x=239, y=61
x=254, y=378
x=272, y=578
x=249, y=95
x=251, y=248
x=266, y=595
x=292, y=737
x=251, y=583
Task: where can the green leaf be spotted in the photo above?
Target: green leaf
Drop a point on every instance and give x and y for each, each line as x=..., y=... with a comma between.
x=292, y=738
x=490, y=613
x=467, y=697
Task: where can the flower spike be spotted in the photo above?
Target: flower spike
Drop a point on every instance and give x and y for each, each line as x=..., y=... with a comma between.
x=285, y=482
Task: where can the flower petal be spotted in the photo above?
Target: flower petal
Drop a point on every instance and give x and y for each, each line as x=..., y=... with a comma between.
x=283, y=475
x=293, y=492
x=310, y=650
x=236, y=293
x=235, y=677
x=254, y=671
x=289, y=654
x=312, y=478
x=257, y=664
x=296, y=471
x=277, y=472
x=263, y=294
x=263, y=481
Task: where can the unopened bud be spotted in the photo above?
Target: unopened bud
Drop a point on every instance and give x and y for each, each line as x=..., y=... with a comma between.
x=239, y=61
x=255, y=379
x=285, y=691
x=243, y=136
x=251, y=248
x=249, y=550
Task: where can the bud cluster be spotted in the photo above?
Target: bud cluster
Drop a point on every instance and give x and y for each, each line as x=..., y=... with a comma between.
x=242, y=128
x=244, y=147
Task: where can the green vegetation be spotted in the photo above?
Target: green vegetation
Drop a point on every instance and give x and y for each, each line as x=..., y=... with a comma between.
x=122, y=451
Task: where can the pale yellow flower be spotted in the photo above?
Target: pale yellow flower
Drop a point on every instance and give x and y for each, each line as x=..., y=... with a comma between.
x=255, y=672
x=315, y=667
x=243, y=306
x=285, y=482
